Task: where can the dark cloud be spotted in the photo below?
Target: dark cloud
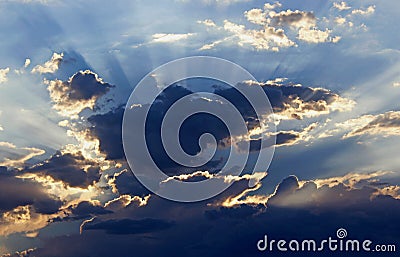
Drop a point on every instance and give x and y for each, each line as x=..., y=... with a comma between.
x=288, y=101
x=294, y=18
x=127, y=184
x=128, y=226
x=86, y=85
x=81, y=91
x=108, y=129
x=15, y=192
x=197, y=229
x=72, y=169
x=86, y=209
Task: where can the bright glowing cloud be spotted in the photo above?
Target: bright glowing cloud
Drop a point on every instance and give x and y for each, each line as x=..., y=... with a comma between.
x=50, y=66
x=370, y=10
x=341, y=6
x=170, y=38
x=27, y=62
x=3, y=75
x=386, y=124
x=81, y=91
x=274, y=31
x=13, y=156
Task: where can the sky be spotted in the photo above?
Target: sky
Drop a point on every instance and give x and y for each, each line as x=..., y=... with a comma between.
x=331, y=72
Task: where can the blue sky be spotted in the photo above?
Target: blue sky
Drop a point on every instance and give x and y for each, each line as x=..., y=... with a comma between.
x=68, y=68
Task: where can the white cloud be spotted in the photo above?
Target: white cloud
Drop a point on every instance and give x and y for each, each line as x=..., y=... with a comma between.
x=269, y=6
x=208, y=23
x=256, y=16
x=50, y=66
x=169, y=38
x=385, y=124
x=268, y=38
x=396, y=84
x=370, y=10
x=211, y=45
x=341, y=6
x=3, y=75
x=340, y=20
x=275, y=29
x=316, y=36
x=27, y=62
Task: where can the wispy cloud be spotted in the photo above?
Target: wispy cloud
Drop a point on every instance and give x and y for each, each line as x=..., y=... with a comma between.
x=170, y=38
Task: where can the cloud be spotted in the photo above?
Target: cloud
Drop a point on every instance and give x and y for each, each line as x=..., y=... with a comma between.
x=27, y=62
x=125, y=183
x=370, y=10
x=396, y=84
x=24, y=253
x=275, y=29
x=170, y=38
x=211, y=45
x=351, y=179
x=234, y=229
x=25, y=206
x=386, y=124
x=3, y=75
x=341, y=192
x=275, y=5
x=207, y=22
x=328, y=193
x=107, y=128
x=296, y=19
x=316, y=36
x=256, y=16
x=81, y=91
x=23, y=220
x=11, y=155
x=50, y=66
x=294, y=101
x=129, y=226
x=268, y=38
x=86, y=209
x=16, y=192
x=72, y=169
x=341, y=6
x=123, y=201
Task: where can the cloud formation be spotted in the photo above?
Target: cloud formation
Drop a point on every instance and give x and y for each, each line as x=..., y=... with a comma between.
x=81, y=91
x=385, y=124
x=169, y=38
x=3, y=75
x=72, y=169
x=50, y=66
x=294, y=203
x=341, y=6
x=13, y=156
x=274, y=29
